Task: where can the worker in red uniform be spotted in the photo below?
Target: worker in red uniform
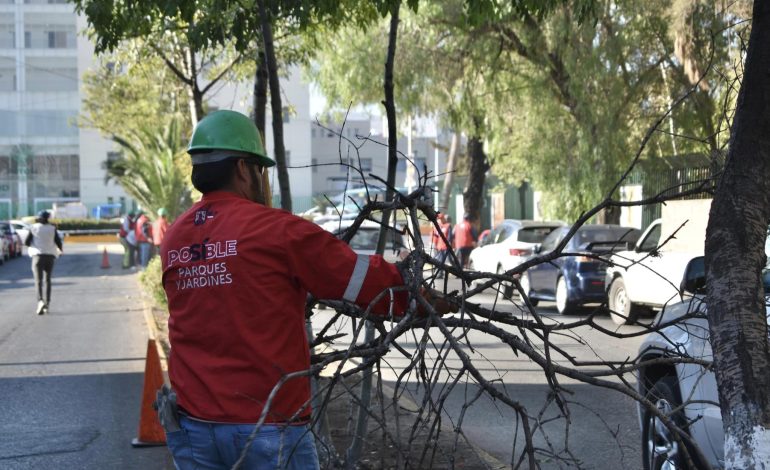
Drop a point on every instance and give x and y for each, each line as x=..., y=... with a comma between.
x=143, y=230
x=236, y=274
x=465, y=239
x=441, y=247
x=159, y=228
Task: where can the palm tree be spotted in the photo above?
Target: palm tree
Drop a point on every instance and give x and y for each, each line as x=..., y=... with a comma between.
x=154, y=168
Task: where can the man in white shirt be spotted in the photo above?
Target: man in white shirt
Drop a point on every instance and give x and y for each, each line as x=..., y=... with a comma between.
x=43, y=241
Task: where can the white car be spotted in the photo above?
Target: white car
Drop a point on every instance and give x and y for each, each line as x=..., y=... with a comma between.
x=643, y=278
x=668, y=386
x=509, y=244
x=365, y=240
x=22, y=228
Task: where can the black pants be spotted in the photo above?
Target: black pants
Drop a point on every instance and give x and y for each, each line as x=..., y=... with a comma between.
x=42, y=266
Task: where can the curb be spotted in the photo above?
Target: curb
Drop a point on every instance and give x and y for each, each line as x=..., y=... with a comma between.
x=152, y=333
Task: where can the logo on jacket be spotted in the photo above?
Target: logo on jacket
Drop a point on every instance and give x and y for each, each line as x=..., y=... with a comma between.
x=201, y=215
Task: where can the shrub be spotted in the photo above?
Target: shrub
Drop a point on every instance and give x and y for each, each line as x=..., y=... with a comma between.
x=86, y=224
x=152, y=282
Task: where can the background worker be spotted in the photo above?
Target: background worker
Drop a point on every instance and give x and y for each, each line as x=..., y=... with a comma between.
x=143, y=231
x=465, y=239
x=441, y=247
x=159, y=228
x=236, y=274
x=127, y=238
x=43, y=241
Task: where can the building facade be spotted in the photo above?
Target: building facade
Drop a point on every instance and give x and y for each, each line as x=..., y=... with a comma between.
x=44, y=157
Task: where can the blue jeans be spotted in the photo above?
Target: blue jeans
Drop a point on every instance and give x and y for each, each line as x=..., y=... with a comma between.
x=144, y=253
x=199, y=445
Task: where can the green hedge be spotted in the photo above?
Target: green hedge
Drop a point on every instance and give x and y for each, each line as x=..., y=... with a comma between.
x=152, y=283
x=86, y=224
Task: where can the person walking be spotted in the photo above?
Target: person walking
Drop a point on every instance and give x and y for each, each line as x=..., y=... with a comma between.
x=43, y=241
x=465, y=239
x=143, y=231
x=236, y=274
x=159, y=228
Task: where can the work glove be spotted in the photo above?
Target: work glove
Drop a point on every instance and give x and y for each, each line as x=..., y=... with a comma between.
x=438, y=301
x=165, y=405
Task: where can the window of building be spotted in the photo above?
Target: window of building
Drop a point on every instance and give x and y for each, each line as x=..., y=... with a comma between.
x=314, y=164
x=7, y=76
x=285, y=112
x=8, y=123
x=7, y=36
x=51, y=73
x=312, y=133
x=50, y=123
x=420, y=162
x=366, y=164
x=57, y=39
x=288, y=158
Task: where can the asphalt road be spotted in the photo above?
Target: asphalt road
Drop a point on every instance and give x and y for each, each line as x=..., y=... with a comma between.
x=71, y=381
x=602, y=431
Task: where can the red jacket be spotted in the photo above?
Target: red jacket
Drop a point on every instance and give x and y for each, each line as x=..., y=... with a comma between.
x=159, y=228
x=236, y=275
x=143, y=229
x=464, y=235
x=438, y=242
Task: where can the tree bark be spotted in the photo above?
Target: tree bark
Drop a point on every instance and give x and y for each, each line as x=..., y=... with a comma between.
x=734, y=261
x=449, y=177
x=275, y=106
x=474, y=189
x=260, y=94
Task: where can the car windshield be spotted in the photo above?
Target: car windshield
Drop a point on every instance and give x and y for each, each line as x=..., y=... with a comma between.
x=584, y=237
x=5, y=228
x=365, y=239
x=534, y=234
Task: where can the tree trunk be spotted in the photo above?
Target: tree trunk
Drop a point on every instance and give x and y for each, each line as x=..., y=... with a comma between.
x=354, y=451
x=260, y=94
x=734, y=260
x=449, y=177
x=474, y=189
x=608, y=215
x=275, y=106
x=193, y=90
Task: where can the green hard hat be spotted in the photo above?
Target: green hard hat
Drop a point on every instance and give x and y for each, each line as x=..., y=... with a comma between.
x=162, y=211
x=225, y=134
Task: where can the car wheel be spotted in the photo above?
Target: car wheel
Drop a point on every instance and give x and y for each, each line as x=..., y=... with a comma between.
x=660, y=449
x=622, y=311
x=524, y=281
x=506, y=287
x=563, y=304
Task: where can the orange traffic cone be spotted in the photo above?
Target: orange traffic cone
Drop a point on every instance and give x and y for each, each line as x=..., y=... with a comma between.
x=105, y=260
x=150, y=431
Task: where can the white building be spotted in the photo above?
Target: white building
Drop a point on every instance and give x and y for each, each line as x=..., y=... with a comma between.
x=44, y=156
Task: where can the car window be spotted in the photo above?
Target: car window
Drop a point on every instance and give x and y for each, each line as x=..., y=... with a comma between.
x=365, y=239
x=587, y=235
x=553, y=239
x=534, y=234
x=492, y=237
x=5, y=228
x=652, y=239
x=505, y=232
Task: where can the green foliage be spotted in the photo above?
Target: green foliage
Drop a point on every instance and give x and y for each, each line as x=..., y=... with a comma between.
x=131, y=89
x=154, y=168
x=151, y=280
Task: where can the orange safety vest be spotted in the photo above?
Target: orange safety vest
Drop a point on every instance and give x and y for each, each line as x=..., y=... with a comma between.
x=438, y=242
x=141, y=237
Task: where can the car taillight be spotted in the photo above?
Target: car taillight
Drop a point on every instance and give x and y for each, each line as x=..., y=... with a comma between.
x=518, y=252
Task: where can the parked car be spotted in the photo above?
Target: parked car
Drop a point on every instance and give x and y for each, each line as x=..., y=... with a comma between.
x=22, y=228
x=509, y=244
x=365, y=240
x=577, y=279
x=5, y=249
x=646, y=277
x=665, y=385
x=15, y=243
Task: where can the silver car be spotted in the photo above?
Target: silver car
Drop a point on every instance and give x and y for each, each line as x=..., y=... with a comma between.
x=668, y=386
